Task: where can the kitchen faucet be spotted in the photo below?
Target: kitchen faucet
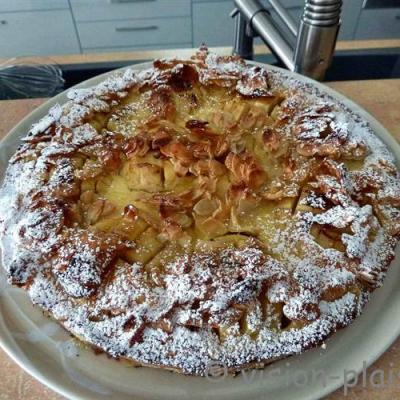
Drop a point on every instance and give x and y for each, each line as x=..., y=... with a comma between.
x=307, y=50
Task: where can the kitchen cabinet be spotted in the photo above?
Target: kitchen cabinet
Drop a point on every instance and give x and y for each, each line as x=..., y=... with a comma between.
x=37, y=33
x=99, y=10
x=32, y=5
x=212, y=24
x=136, y=48
x=133, y=32
x=48, y=27
x=379, y=24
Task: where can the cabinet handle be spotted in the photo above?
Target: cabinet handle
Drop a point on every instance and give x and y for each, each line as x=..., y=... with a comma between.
x=130, y=1
x=136, y=28
x=3, y=22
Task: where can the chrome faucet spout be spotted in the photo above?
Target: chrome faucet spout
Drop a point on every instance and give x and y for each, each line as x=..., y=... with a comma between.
x=319, y=28
x=259, y=22
x=286, y=18
x=315, y=38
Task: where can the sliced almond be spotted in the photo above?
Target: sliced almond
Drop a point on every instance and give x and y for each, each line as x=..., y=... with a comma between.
x=271, y=139
x=183, y=220
x=108, y=208
x=212, y=227
x=87, y=197
x=94, y=211
x=205, y=207
x=178, y=151
x=208, y=167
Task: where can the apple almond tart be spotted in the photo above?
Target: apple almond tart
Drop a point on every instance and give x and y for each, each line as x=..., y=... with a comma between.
x=200, y=211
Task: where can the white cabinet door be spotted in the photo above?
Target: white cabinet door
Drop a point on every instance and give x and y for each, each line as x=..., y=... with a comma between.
x=97, y=10
x=29, y=5
x=135, y=32
x=137, y=48
x=37, y=33
x=212, y=24
x=379, y=24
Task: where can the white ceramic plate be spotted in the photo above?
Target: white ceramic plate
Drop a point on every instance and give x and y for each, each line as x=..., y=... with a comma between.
x=48, y=353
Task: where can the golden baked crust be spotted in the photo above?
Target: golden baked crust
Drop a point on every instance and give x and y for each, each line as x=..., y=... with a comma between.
x=200, y=211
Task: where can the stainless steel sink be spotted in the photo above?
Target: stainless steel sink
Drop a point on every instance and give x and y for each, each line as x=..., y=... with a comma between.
x=357, y=65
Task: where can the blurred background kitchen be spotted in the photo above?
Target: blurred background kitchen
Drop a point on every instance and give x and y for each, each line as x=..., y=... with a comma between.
x=47, y=27
x=54, y=28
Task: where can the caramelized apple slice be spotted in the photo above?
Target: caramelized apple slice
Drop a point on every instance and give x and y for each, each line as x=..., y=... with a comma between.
x=147, y=246
x=142, y=176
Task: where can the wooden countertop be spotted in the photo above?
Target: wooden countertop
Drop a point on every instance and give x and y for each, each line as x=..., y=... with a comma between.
x=381, y=98
x=185, y=53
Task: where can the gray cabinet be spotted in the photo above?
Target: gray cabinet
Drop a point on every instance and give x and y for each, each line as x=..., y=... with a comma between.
x=134, y=32
x=102, y=10
x=350, y=12
x=136, y=48
x=36, y=33
x=127, y=24
x=212, y=24
x=379, y=24
x=72, y=26
x=31, y=5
